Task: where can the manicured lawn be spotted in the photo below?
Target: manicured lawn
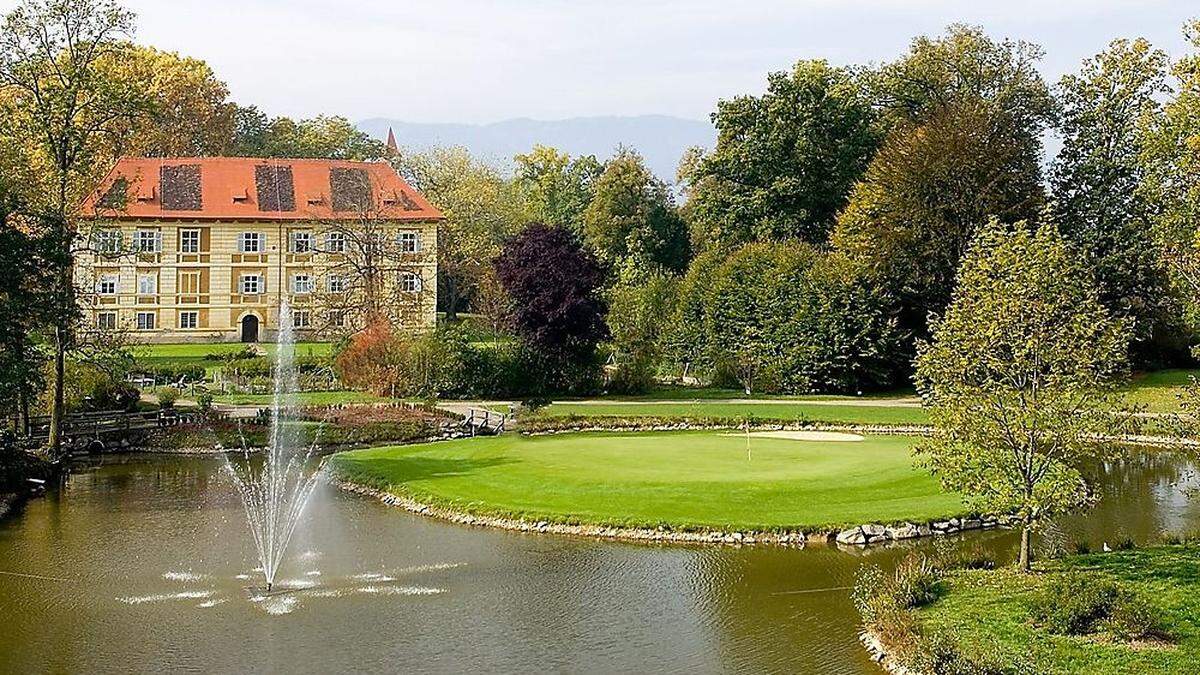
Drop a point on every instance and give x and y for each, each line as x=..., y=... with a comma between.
x=1159, y=391
x=303, y=398
x=992, y=608
x=686, y=480
x=684, y=394
x=789, y=411
x=192, y=352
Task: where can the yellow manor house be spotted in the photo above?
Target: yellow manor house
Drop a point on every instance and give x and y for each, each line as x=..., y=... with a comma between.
x=208, y=249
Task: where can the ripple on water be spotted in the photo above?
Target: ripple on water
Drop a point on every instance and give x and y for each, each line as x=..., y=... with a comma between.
x=162, y=597
x=183, y=576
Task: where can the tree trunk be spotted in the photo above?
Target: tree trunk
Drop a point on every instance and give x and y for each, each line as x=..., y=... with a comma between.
x=450, y=285
x=54, y=442
x=1024, y=561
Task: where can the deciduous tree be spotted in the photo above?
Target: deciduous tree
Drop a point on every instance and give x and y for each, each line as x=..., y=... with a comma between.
x=1018, y=378
x=63, y=113
x=482, y=208
x=631, y=223
x=555, y=286
x=785, y=161
x=1097, y=177
x=556, y=188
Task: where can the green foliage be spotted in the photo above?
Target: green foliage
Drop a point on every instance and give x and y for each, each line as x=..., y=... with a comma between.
x=323, y=136
x=1097, y=176
x=1081, y=603
x=556, y=188
x=169, y=371
x=631, y=223
x=782, y=317
x=204, y=403
x=635, y=322
x=1019, y=376
x=1172, y=180
x=964, y=116
x=483, y=209
x=784, y=161
x=167, y=396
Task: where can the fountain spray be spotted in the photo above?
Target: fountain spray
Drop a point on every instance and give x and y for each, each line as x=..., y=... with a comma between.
x=275, y=490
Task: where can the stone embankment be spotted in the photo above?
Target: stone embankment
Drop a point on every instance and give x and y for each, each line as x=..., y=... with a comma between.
x=860, y=536
x=876, y=534
x=879, y=655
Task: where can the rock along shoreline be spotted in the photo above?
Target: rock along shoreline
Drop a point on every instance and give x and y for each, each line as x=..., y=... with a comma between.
x=857, y=537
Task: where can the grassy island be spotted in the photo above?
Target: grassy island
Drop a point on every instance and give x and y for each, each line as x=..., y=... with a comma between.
x=1061, y=619
x=686, y=480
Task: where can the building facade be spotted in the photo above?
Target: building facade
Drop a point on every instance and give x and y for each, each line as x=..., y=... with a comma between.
x=210, y=249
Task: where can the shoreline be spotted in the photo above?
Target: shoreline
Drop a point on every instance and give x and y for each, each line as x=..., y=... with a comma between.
x=853, y=538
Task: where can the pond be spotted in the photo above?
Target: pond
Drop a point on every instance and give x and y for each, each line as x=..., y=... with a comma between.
x=142, y=563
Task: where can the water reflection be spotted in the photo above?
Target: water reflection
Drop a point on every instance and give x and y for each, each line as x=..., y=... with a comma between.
x=140, y=564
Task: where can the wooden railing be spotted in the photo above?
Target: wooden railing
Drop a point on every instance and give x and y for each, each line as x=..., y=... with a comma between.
x=484, y=422
x=107, y=423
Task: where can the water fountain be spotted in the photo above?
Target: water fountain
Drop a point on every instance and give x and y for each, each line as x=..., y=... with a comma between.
x=275, y=488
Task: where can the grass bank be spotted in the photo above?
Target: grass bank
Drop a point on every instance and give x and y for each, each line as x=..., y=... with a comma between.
x=830, y=412
x=993, y=610
x=688, y=480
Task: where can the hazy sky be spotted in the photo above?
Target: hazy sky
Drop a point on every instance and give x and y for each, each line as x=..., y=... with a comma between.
x=481, y=61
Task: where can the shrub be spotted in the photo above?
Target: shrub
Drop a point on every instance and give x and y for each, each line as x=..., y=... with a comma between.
x=1132, y=617
x=167, y=396
x=204, y=402
x=942, y=654
x=171, y=372
x=1073, y=603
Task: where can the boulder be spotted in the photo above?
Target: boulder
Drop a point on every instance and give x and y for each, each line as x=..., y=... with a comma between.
x=972, y=524
x=904, y=531
x=852, y=537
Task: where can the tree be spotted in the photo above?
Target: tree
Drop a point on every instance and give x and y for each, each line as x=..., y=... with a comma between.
x=635, y=322
x=1019, y=377
x=1172, y=178
x=1097, y=176
x=323, y=136
x=964, y=116
x=22, y=308
x=371, y=276
x=965, y=64
x=62, y=115
x=558, y=311
x=924, y=196
x=785, y=161
x=631, y=223
x=189, y=112
x=557, y=188
x=482, y=210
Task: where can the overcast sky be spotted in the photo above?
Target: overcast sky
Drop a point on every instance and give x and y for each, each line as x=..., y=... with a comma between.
x=487, y=60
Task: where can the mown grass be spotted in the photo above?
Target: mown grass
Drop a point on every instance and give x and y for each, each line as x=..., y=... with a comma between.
x=302, y=397
x=196, y=352
x=687, y=480
x=992, y=608
x=790, y=411
x=1159, y=391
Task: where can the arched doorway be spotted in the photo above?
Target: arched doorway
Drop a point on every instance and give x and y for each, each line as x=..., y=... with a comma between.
x=249, y=328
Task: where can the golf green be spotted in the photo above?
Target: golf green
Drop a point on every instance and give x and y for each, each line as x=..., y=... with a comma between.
x=685, y=479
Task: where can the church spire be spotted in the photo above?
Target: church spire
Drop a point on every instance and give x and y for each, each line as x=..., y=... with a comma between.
x=391, y=143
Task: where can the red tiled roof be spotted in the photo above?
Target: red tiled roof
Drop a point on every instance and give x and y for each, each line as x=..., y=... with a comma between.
x=229, y=191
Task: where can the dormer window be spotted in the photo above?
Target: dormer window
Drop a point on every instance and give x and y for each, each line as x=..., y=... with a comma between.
x=241, y=197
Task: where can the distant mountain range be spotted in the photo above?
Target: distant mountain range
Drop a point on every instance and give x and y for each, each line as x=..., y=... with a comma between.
x=660, y=139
